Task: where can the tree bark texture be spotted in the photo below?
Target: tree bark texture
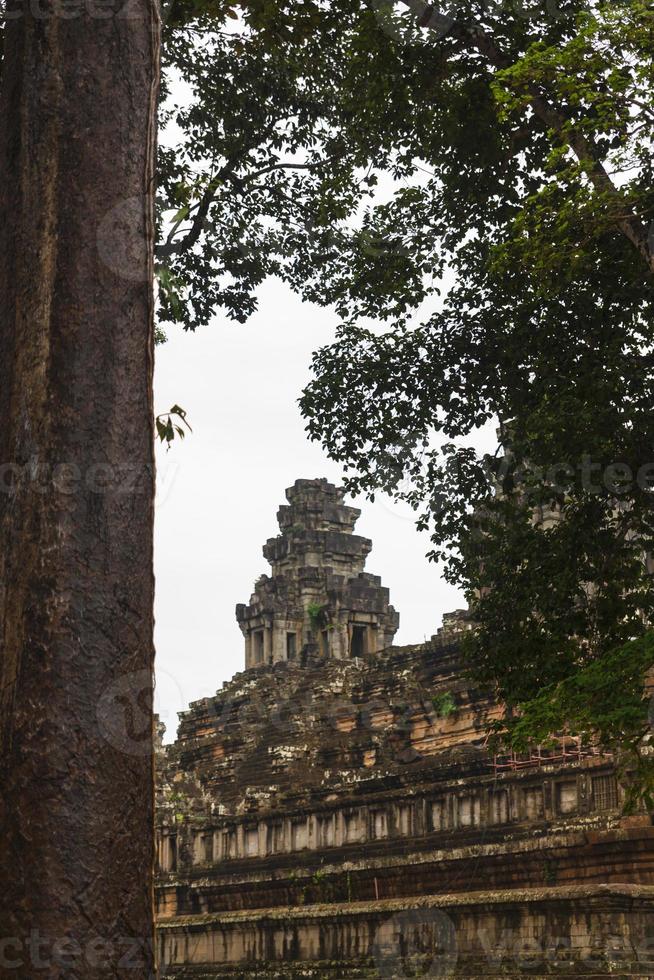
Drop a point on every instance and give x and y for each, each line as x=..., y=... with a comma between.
x=77, y=135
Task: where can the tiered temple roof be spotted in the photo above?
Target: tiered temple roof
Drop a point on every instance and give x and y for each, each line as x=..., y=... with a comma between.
x=319, y=601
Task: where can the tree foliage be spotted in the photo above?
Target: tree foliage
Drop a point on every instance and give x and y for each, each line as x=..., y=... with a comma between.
x=547, y=328
x=274, y=155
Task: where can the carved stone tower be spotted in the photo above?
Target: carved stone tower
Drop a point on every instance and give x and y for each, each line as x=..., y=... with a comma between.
x=318, y=599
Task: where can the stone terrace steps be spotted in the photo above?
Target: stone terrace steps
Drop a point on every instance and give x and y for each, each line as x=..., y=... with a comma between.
x=299, y=727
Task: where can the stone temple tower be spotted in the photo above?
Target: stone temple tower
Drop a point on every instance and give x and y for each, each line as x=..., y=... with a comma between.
x=318, y=600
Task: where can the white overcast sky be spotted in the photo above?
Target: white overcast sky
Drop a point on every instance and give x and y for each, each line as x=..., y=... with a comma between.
x=219, y=491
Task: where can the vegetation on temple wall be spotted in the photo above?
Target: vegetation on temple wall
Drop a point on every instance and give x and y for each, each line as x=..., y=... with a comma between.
x=605, y=697
x=318, y=616
x=444, y=704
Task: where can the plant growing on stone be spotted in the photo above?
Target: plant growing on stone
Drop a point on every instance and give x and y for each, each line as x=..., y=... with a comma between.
x=444, y=704
x=318, y=616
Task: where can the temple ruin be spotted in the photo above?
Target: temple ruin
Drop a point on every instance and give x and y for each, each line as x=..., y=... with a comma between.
x=334, y=811
x=318, y=600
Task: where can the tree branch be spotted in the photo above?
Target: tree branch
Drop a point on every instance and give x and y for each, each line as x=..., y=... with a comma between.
x=286, y=166
x=225, y=173
x=586, y=152
x=194, y=232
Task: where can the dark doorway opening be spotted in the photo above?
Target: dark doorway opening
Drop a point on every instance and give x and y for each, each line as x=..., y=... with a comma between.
x=358, y=644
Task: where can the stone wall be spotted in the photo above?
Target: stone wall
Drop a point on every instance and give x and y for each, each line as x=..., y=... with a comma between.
x=591, y=931
x=330, y=786
x=335, y=811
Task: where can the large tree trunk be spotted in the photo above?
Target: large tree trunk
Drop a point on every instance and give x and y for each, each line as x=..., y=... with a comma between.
x=77, y=124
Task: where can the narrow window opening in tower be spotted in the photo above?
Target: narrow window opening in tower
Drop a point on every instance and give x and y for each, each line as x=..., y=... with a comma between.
x=258, y=647
x=291, y=646
x=358, y=644
x=325, y=643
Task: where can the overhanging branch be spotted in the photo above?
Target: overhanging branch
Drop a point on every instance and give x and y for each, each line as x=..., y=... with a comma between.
x=630, y=224
x=225, y=173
